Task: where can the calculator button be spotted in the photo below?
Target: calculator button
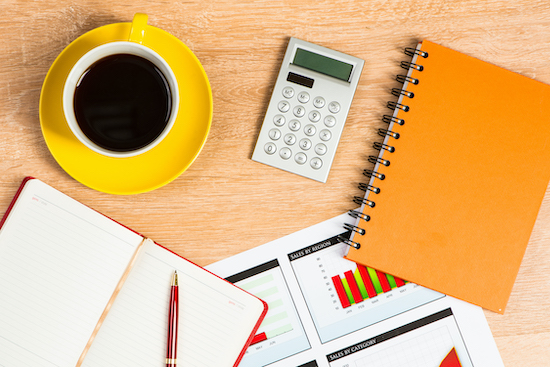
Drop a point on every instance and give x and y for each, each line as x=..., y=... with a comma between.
x=270, y=148
x=316, y=163
x=303, y=97
x=334, y=107
x=330, y=121
x=284, y=106
x=294, y=125
x=305, y=144
x=285, y=153
x=300, y=158
x=299, y=111
x=279, y=120
x=288, y=92
x=274, y=134
x=320, y=149
x=319, y=102
x=314, y=116
x=325, y=135
x=290, y=139
x=310, y=130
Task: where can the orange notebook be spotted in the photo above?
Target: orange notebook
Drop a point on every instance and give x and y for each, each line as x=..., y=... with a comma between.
x=461, y=174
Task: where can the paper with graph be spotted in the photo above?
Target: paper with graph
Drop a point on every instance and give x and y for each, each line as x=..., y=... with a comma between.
x=326, y=311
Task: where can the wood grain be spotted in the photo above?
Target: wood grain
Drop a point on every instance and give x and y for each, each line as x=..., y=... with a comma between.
x=225, y=203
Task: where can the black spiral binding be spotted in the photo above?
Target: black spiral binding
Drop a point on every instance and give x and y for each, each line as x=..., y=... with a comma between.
x=383, y=147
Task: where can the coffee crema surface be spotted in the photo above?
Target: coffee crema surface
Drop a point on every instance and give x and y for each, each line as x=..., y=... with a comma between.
x=122, y=102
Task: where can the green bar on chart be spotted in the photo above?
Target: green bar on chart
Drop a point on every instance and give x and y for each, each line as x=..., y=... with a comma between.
x=268, y=292
x=275, y=304
x=391, y=280
x=348, y=291
x=375, y=280
x=354, y=288
x=360, y=284
x=255, y=283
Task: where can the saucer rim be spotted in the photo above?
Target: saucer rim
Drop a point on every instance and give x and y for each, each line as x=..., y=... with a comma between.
x=106, y=34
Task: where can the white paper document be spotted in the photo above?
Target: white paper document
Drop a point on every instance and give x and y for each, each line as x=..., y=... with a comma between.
x=326, y=311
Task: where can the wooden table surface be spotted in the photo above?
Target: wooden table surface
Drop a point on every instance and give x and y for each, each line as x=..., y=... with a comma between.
x=226, y=203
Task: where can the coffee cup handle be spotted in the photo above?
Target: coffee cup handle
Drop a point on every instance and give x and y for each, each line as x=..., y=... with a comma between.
x=137, y=32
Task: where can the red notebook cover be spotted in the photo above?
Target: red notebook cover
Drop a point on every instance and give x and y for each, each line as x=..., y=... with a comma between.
x=260, y=319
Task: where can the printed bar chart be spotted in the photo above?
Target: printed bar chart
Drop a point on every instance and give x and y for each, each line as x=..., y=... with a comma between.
x=343, y=296
x=277, y=322
x=362, y=284
x=280, y=334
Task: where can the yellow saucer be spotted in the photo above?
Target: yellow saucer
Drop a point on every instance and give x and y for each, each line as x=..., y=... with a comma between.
x=146, y=171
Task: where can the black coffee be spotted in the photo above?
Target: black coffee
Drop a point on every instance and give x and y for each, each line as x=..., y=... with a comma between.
x=122, y=102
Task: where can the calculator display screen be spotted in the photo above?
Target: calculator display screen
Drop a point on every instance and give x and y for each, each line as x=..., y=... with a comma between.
x=322, y=64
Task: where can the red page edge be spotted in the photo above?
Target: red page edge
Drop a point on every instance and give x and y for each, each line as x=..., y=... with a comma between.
x=258, y=323
x=14, y=200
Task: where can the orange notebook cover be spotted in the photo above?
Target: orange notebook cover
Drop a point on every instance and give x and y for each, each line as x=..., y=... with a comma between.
x=466, y=164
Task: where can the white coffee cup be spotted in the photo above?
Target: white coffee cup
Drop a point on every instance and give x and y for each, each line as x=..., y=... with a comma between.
x=135, y=47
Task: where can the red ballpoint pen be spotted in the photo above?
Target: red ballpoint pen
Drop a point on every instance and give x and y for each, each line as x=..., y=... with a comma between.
x=172, y=345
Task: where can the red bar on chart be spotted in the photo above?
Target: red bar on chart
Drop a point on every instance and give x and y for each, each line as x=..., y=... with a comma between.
x=399, y=282
x=354, y=288
x=451, y=360
x=383, y=281
x=366, y=280
x=258, y=338
x=344, y=301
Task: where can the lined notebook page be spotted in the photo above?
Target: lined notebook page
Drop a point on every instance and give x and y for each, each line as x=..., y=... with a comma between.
x=60, y=261
x=215, y=317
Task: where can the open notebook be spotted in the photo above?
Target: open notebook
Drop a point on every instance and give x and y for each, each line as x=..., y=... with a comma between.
x=79, y=288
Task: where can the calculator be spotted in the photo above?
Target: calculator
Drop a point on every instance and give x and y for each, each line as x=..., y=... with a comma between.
x=308, y=109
